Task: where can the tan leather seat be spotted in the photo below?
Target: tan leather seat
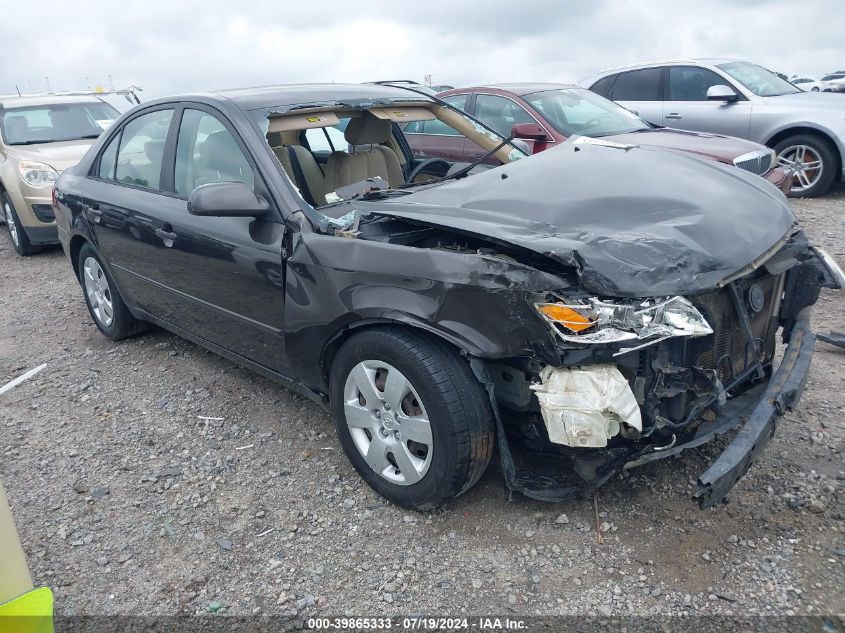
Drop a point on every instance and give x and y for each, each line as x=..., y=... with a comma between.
x=344, y=169
x=312, y=184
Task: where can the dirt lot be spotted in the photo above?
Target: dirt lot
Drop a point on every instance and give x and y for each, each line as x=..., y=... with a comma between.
x=129, y=503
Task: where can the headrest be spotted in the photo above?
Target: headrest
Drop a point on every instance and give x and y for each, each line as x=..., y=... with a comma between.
x=367, y=130
x=154, y=149
x=274, y=139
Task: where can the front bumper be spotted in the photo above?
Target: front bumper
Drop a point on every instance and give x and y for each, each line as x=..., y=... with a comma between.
x=39, y=232
x=782, y=393
x=755, y=412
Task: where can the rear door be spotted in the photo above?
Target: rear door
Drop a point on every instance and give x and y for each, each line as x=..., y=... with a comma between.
x=640, y=91
x=686, y=105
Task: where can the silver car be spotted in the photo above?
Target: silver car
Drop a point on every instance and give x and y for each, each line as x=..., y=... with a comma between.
x=738, y=98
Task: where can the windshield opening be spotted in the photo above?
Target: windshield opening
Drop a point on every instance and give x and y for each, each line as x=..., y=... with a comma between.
x=762, y=82
x=55, y=122
x=332, y=154
x=577, y=111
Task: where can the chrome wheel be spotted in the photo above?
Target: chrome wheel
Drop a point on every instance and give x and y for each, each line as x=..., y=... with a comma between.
x=10, y=222
x=98, y=291
x=388, y=422
x=805, y=163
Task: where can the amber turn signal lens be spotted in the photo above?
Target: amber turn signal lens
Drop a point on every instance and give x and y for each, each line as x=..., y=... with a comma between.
x=567, y=317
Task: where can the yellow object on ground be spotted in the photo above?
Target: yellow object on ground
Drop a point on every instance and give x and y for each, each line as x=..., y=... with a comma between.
x=30, y=613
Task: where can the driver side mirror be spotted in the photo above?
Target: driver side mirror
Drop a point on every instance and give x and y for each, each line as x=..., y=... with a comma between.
x=721, y=92
x=226, y=199
x=531, y=132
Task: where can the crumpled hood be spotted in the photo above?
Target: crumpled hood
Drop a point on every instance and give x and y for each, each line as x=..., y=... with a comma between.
x=632, y=222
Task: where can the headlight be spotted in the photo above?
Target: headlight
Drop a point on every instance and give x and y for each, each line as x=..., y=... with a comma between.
x=593, y=321
x=37, y=174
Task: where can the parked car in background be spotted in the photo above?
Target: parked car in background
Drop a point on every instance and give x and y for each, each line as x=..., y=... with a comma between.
x=807, y=84
x=738, y=98
x=598, y=304
x=544, y=115
x=41, y=136
x=834, y=82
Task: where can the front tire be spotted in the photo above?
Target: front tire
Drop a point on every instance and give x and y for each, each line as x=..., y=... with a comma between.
x=106, y=306
x=411, y=416
x=813, y=163
x=20, y=240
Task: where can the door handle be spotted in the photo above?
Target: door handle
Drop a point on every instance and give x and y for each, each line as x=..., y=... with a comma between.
x=166, y=235
x=674, y=115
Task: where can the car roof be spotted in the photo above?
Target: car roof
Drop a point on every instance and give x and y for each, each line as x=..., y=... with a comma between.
x=520, y=88
x=283, y=96
x=710, y=61
x=38, y=100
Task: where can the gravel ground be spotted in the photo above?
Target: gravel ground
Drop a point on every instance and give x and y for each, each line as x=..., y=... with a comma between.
x=129, y=503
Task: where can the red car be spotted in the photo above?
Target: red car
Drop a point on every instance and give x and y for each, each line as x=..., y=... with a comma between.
x=546, y=114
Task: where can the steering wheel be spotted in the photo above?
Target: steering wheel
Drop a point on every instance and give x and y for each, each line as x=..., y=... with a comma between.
x=416, y=171
x=591, y=123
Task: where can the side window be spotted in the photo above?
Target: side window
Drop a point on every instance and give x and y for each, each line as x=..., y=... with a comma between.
x=602, y=86
x=500, y=113
x=142, y=149
x=638, y=85
x=690, y=83
x=108, y=159
x=207, y=152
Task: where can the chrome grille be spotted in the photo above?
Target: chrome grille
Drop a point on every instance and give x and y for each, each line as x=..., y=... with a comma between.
x=730, y=353
x=756, y=162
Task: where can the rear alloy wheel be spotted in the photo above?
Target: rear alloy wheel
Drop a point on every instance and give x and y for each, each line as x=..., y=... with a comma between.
x=103, y=299
x=20, y=240
x=411, y=416
x=812, y=164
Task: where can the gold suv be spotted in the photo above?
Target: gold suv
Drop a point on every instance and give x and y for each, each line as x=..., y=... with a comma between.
x=41, y=136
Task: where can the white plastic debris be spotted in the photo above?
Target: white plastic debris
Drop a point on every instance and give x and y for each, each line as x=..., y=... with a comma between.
x=14, y=383
x=585, y=406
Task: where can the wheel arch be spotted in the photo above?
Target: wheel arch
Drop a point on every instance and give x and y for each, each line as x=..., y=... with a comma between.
x=404, y=322
x=75, y=245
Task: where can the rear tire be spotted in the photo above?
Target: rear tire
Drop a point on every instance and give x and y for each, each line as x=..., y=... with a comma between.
x=806, y=150
x=106, y=306
x=20, y=240
x=442, y=405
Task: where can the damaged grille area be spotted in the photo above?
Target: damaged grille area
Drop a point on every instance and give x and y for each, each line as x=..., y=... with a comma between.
x=730, y=352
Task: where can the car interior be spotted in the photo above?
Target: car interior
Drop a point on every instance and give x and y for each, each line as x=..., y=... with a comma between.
x=372, y=149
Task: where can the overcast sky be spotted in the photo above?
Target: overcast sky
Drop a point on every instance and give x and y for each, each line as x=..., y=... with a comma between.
x=180, y=46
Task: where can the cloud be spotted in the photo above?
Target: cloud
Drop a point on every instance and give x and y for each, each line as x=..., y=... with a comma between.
x=173, y=47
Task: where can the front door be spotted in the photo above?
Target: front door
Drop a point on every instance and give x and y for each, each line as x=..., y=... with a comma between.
x=687, y=107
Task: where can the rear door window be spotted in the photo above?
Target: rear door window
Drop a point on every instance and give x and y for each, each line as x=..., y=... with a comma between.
x=602, y=86
x=141, y=150
x=638, y=85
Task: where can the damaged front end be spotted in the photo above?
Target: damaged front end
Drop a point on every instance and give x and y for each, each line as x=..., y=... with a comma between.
x=642, y=380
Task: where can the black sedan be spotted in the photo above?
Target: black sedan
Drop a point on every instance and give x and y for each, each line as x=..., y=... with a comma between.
x=567, y=305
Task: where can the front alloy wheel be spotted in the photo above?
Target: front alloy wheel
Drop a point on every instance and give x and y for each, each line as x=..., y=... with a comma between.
x=410, y=415
x=10, y=223
x=388, y=422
